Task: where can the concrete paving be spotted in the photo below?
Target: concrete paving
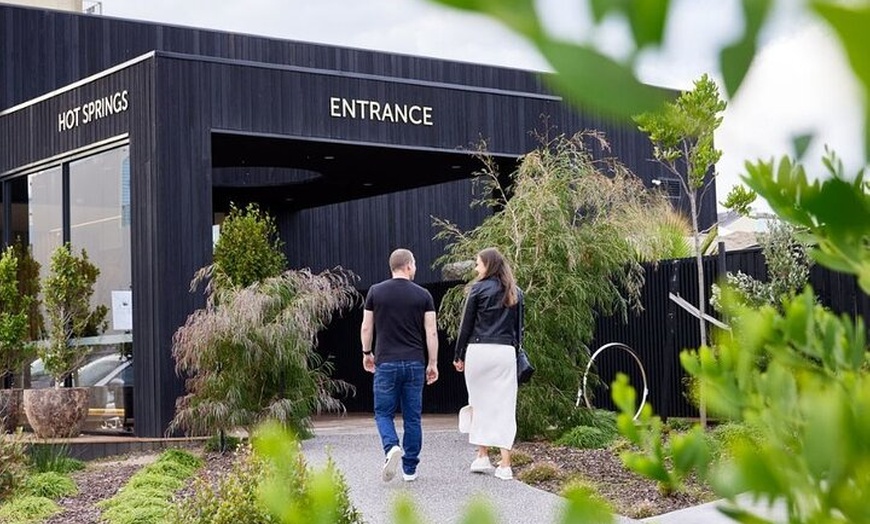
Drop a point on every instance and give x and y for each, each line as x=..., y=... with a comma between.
x=445, y=487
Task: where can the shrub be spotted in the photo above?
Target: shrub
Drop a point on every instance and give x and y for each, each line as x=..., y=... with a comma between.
x=53, y=457
x=248, y=249
x=51, y=485
x=542, y=472
x=596, y=430
x=179, y=457
x=146, y=496
x=213, y=444
x=726, y=437
x=27, y=510
x=585, y=437
x=232, y=499
x=251, y=355
x=13, y=464
x=518, y=458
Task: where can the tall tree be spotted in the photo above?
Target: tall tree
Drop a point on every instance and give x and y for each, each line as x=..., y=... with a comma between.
x=569, y=230
x=682, y=136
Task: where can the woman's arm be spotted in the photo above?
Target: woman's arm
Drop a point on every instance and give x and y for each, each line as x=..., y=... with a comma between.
x=466, y=326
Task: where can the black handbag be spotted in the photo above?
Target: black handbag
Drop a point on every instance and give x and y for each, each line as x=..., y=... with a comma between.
x=525, y=369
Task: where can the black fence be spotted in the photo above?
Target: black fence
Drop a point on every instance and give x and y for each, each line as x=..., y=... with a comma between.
x=657, y=334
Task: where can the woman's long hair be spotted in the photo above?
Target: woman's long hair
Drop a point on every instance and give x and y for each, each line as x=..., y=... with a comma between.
x=497, y=266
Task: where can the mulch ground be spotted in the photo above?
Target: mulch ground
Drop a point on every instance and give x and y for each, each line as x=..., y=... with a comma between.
x=629, y=494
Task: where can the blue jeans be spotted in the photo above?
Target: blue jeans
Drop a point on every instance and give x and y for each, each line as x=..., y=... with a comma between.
x=400, y=384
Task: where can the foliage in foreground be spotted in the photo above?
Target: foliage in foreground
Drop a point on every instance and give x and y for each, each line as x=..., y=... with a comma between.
x=806, y=441
x=570, y=231
x=251, y=355
x=146, y=497
x=14, y=323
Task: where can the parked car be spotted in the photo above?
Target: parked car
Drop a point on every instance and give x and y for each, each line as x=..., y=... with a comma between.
x=110, y=379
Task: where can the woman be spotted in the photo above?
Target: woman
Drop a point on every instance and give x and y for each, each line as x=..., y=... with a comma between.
x=490, y=332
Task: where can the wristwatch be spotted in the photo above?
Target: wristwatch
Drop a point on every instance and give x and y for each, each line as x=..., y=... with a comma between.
x=369, y=352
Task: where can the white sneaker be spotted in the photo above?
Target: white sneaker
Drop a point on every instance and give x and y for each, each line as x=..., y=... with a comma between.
x=504, y=473
x=409, y=478
x=391, y=464
x=481, y=465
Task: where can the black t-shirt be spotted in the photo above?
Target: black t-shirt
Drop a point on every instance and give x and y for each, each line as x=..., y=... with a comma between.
x=399, y=306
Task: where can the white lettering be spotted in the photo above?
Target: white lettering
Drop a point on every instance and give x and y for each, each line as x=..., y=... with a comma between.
x=354, y=108
x=375, y=111
x=415, y=121
x=93, y=110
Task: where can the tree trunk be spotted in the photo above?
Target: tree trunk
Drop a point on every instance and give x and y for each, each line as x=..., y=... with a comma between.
x=693, y=204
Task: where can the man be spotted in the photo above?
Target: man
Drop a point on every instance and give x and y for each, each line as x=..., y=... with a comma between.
x=402, y=314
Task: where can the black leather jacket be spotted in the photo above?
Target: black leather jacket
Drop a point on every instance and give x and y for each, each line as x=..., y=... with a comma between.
x=485, y=319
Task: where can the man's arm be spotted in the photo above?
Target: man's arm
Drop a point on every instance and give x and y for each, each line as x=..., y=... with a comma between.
x=430, y=325
x=366, y=334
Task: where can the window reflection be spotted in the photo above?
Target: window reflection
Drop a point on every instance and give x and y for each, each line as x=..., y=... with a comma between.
x=100, y=221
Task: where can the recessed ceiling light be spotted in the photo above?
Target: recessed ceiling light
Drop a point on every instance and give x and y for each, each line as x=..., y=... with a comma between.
x=367, y=184
x=329, y=157
x=456, y=167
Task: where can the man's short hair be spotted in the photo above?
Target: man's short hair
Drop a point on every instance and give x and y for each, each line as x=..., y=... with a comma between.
x=400, y=258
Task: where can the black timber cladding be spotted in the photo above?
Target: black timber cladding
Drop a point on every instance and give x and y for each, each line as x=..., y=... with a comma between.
x=268, y=89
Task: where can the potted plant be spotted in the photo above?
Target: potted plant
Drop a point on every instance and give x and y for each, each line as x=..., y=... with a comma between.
x=14, y=330
x=67, y=290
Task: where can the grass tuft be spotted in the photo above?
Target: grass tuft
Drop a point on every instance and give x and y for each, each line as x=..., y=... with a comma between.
x=27, y=510
x=51, y=485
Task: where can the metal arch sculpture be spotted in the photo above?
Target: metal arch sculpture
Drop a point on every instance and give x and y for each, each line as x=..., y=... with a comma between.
x=581, y=393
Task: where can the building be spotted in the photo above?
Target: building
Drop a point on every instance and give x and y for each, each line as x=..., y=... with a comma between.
x=129, y=139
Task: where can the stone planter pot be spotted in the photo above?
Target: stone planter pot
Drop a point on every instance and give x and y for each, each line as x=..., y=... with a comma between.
x=10, y=409
x=56, y=412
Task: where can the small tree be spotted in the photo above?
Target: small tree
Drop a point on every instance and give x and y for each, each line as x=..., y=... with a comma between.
x=13, y=318
x=67, y=296
x=29, y=286
x=248, y=249
x=682, y=136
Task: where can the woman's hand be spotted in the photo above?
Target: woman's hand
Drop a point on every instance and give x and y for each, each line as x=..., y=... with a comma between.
x=459, y=365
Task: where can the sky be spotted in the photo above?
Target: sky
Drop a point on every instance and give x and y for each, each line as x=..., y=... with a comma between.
x=798, y=84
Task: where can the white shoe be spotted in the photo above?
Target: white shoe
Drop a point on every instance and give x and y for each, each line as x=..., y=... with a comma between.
x=481, y=465
x=504, y=473
x=391, y=464
x=409, y=478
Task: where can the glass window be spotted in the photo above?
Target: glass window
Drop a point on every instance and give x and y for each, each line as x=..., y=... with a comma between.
x=99, y=207
x=45, y=215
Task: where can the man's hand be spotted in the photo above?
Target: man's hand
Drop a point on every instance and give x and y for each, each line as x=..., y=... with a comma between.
x=459, y=365
x=431, y=373
x=369, y=362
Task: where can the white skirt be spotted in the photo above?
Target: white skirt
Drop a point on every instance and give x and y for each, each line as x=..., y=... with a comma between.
x=491, y=379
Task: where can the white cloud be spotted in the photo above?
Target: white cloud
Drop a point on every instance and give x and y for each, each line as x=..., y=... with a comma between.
x=800, y=83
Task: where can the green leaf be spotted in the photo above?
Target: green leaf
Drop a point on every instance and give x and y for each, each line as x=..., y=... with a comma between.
x=742, y=515
x=591, y=79
x=851, y=22
x=648, y=19
x=583, y=507
x=800, y=144
x=736, y=58
x=478, y=512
